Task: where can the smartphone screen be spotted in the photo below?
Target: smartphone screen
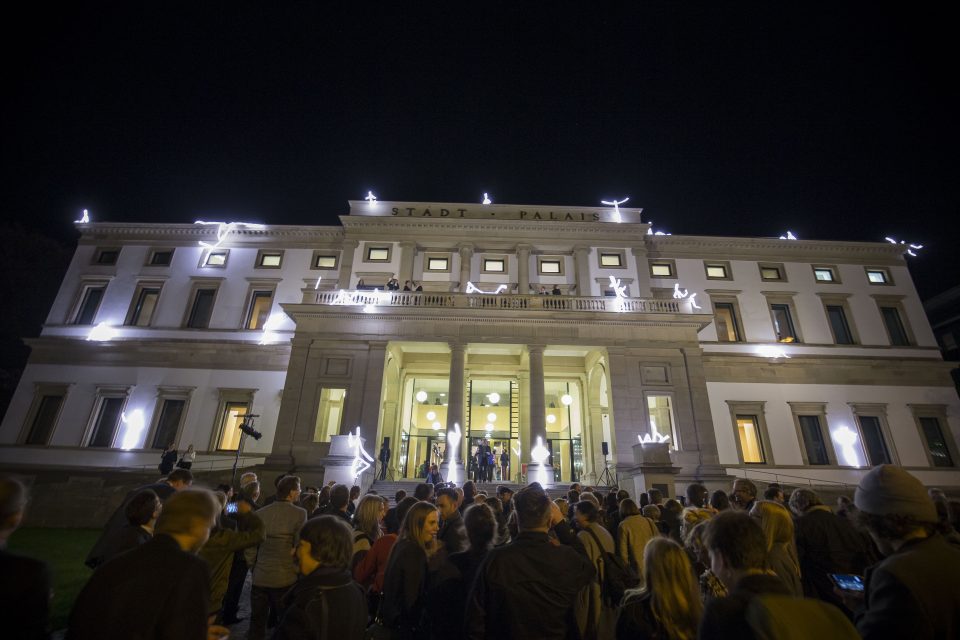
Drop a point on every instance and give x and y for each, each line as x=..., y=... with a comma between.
x=847, y=581
x=231, y=507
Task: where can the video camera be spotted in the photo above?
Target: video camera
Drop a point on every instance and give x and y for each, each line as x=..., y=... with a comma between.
x=248, y=429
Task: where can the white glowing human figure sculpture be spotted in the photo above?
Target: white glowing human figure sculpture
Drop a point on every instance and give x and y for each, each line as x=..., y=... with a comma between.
x=372, y=199
x=270, y=327
x=539, y=453
x=616, y=207
x=654, y=437
x=678, y=294
x=224, y=229
x=84, y=219
x=766, y=351
x=789, y=236
x=620, y=292
x=847, y=438
x=132, y=428
x=102, y=332
x=361, y=459
x=317, y=286
x=486, y=198
x=910, y=247
x=453, y=442
x=472, y=288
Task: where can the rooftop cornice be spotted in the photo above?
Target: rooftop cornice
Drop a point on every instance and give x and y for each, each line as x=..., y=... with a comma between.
x=531, y=232
x=773, y=248
x=146, y=232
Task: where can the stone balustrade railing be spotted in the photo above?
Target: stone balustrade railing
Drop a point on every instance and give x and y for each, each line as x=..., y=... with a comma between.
x=494, y=301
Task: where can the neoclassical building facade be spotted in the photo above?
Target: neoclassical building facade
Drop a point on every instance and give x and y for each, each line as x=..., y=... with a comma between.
x=574, y=329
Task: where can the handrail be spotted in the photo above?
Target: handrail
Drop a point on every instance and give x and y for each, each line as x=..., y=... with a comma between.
x=492, y=301
x=210, y=462
x=810, y=481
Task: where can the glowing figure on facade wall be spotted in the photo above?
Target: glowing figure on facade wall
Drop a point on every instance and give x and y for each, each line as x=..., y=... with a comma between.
x=654, y=437
x=680, y=295
x=361, y=459
x=766, y=351
x=847, y=438
x=224, y=229
x=132, y=428
x=372, y=199
x=102, y=332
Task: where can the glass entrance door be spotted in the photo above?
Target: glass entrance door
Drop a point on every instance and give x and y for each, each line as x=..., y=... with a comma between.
x=417, y=453
x=493, y=469
x=566, y=456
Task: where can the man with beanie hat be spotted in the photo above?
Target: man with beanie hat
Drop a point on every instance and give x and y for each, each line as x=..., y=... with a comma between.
x=913, y=593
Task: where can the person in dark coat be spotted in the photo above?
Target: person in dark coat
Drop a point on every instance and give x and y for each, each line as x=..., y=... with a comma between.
x=24, y=582
x=325, y=602
x=528, y=589
x=914, y=592
x=160, y=590
x=405, y=579
x=167, y=459
x=142, y=512
x=826, y=543
x=453, y=534
x=176, y=480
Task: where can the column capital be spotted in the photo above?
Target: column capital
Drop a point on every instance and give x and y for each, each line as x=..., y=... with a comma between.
x=523, y=247
x=638, y=252
x=465, y=248
x=581, y=248
x=349, y=244
x=457, y=346
x=407, y=244
x=536, y=348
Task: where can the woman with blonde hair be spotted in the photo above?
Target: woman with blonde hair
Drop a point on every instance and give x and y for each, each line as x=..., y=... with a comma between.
x=366, y=525
x=405, y=580
x=782, y=556
x=668, y=606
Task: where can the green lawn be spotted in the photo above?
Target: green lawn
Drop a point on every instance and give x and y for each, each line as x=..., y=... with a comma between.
x=64, y=550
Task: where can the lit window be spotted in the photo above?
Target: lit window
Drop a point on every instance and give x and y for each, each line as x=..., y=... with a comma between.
x=438, y=264
x=783, y=323
x=877, y=276
x=260, y=304
x=161, y=258
x=725, y=317
x=496, y=265
x=323, y=261
x=230, y=421
x=144, y=304
x=378, y=254
x=216, y=259
x=550, y=266
x=716, y=271
x=824, y=274
x=107, y=256
x=611, y=259
x=269, y=260
x=770, y=273
x=749, y=433
x=89, y=303
x=329, y=414
x=661, y=417
x=202, y=308
x=661, y=269
x=107, y=422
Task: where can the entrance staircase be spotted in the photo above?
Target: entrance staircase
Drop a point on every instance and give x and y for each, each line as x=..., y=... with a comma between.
x=389, y=488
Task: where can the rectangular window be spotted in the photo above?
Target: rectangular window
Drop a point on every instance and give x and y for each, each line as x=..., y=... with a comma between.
x=661, y=269
x=259, y=312
x=878, y=276
x=230, y=420
x=45, y=419
x=107, y=421
x=494, y=265
x=161, y=258
x=813, y=441
x=783, y=323
x=438, y=264
x=168, y=424
x=216, y=258
x=550, y=267
x=936, y=444
x=378, y=254
x=895, y=328
x=202, y=308
x=661, y=418
x=324, y=261
x=716, y=272
x=725, y=317
x=873, y=442
x=609, y=259
x=269, y=259
x=824, y=274
x=748, y=431
x=106, y=256
x=89, y=304
x=329, y=414
x=144, y=304
x=838, y=324
x=771, y=272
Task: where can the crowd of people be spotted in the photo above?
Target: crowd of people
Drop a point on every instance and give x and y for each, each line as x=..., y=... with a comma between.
x=451, y=562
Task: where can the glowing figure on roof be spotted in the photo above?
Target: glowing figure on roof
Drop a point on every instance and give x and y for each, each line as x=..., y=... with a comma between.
x=616, y=207
x=224, y=229
x=361, y=459
x=84, y=219
x=789, y=236
x=910, y=247
x=372, y=199
x=486, y=198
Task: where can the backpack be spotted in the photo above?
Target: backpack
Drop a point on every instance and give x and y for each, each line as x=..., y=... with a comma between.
x=317, y=611
x=618, y=577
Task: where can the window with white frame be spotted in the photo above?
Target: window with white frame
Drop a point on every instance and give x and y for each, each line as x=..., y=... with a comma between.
x=234, y=406
x=611, y=259
x=662, y=269
x=324, y=260
x=878, y=275
x=106, y=256
x=750, y=431
x=269, y=259
x=660, y=413
x=258, y=309
x=107, y=416
x=169, y=415
x=160, y=258
x=717, y=270
x=144, y=304
x=201, y=306
x=826, y=274
x=550, y=265
x=494, y=265
x=329, y=413
x=91, y=295
x=44, y=413
x=216, y=258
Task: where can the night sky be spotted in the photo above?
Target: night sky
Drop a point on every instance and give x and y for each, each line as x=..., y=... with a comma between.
x=836, y=122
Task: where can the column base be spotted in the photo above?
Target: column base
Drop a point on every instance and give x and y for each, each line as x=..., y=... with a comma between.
x=542, y=473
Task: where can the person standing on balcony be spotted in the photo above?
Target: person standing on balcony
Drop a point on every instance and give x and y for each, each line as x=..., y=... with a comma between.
x=168, y=458
x=186, y=461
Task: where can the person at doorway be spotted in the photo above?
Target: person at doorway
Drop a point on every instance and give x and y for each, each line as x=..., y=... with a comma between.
x=433, y=476
x=504, y=465
x=384, y=458
x=482, y=466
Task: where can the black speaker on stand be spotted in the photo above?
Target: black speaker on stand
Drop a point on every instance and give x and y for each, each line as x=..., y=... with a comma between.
x=605, y=477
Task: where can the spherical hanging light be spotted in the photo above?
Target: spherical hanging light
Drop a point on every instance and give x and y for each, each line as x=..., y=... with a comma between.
x=493, y=397
x=566, y=399
x=436, y=426
x=431, y=415
x=491, y=417
x=421, y=396
x=551, y=418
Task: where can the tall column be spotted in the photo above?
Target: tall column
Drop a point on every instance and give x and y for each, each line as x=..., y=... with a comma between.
x=523, y=269
x=538, y=419
x=453, y=467
x=581, y=261
x=466, y=253
x=371, y=401
x=346, y=263
x=407, y=252
x=643, y=273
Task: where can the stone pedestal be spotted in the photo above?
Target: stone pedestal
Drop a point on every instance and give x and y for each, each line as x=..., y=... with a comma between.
x=338, y=464
x=653, y=469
